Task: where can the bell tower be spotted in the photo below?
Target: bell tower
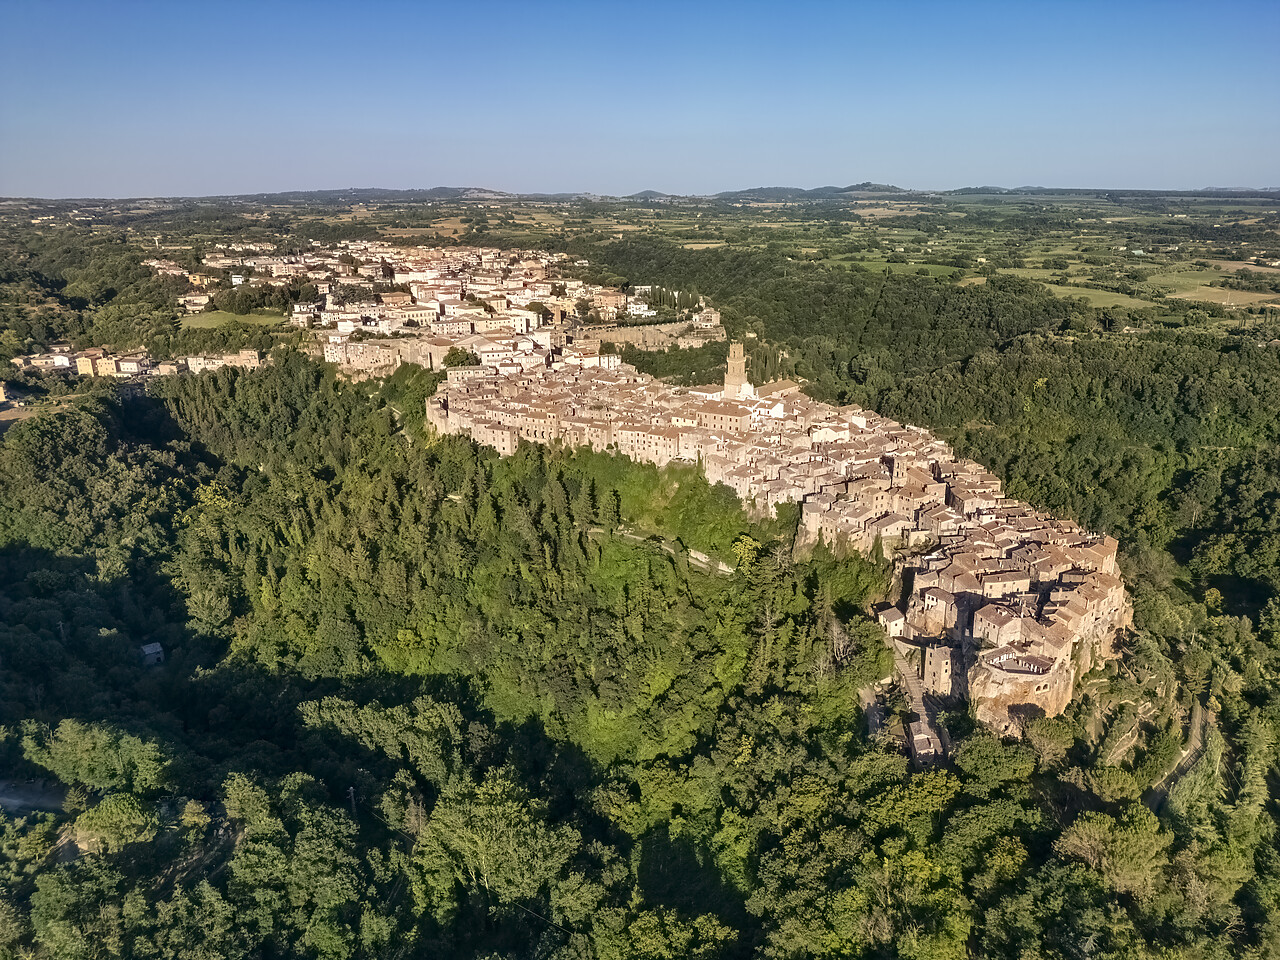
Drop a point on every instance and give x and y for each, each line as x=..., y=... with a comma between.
x=736, y=375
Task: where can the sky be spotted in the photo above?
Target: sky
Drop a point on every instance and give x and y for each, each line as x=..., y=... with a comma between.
x=134, y=99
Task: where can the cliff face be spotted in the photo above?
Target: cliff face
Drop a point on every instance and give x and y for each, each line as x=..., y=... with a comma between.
x=1004, y=700
x=1007, y=700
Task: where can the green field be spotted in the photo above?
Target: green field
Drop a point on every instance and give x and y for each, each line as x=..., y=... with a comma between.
x=1098, y=298
x=1032, y=273
x=935, y=269
x=217, y=318
x=1181, y=283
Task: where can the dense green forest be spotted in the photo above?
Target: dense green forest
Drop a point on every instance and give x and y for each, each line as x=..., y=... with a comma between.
x=95, y=290
x=66, y=286
x=419, y=700
x=550, y=733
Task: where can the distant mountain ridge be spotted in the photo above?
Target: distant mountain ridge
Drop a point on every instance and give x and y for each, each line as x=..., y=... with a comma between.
x=817, y=193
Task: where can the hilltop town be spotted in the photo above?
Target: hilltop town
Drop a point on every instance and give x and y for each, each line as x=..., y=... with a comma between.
x=1001, y=604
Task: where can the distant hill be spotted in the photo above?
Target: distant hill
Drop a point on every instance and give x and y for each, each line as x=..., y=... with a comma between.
x=868, y=187
x=817, y=193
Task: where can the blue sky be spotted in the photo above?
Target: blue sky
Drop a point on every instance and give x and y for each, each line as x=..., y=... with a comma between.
x=162, y=99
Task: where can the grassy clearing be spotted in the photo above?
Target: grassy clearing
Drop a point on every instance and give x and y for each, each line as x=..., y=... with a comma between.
x=1228, y=298
x=1098, y=298
x=1032, y=273
x=1230, y=265
x=217, y=318
x=935, y=269
x=1180, y=282
x=447, y=227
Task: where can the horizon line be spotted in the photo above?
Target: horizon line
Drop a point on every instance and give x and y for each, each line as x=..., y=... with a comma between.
x=892, y=188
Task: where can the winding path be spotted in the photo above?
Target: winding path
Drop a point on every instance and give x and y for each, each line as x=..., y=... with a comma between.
x=1190, y=755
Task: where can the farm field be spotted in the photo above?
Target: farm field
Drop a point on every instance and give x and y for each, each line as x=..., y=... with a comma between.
x=1228, y=265
x=1229, y=298
x=1098, y=298
x=1180, y=283
x=933, y=269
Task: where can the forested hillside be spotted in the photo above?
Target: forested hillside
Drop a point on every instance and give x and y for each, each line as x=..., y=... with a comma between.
x=67, y=287
x=95, y=289
x=422, y=701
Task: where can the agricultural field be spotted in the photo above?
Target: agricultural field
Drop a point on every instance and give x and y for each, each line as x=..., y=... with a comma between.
x=1230, y=298
x=1097, y=298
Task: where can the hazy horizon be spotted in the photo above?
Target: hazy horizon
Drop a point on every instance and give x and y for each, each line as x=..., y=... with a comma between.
x=142, y=100
x=631, y=193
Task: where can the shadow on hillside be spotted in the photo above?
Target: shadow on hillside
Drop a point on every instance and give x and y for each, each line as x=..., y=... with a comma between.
x=679, y=875
x=70, y=647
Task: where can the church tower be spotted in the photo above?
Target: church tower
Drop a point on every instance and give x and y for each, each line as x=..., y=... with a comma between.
x=735, y=378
